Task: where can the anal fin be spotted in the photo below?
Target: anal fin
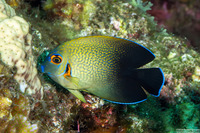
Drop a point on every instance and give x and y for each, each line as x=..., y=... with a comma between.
x=77, y=94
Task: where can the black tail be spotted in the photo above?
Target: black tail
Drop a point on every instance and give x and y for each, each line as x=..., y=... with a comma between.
x=151, y=79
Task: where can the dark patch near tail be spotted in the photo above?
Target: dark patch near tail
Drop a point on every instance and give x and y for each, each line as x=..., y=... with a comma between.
x=151, y=79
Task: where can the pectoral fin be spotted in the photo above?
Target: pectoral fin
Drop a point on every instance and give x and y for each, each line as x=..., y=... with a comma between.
x=73, y=86
x=78, y=94
x=73, y=83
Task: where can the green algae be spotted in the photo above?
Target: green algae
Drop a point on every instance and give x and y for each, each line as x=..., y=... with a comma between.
x=182, y=116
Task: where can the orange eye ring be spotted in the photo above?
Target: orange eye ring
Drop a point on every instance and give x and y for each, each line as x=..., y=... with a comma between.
x=56, y=59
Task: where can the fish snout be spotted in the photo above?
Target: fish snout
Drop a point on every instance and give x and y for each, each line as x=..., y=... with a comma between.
x=41, y=68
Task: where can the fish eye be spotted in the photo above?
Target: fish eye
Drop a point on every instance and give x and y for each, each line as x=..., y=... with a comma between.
x=56, y=59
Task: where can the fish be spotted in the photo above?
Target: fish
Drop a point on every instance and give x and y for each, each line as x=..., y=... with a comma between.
x=105, y=66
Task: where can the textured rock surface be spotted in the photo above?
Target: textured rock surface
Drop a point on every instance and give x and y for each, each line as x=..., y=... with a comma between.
x=15, y=49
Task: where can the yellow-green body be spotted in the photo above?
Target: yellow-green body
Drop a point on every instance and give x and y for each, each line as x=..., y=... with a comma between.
x=98, y=65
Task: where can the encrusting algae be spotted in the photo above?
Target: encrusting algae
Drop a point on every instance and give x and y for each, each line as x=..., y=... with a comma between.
x=14, y=113
x=5, y=104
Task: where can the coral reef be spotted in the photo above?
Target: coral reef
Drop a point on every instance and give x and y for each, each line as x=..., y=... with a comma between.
x=13, y=3
x=5, y=115
x=172, y=18
x=20, y=113
x=15, y=49
x=183, y=116
x=102, y=115
x=59, y=111
x=56, y=111
x=15, y=118
x=196, y=75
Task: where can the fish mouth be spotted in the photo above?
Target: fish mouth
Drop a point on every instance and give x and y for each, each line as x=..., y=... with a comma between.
x=41, y=68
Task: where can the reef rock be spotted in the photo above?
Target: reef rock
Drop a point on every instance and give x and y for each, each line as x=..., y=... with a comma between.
x=15, y=49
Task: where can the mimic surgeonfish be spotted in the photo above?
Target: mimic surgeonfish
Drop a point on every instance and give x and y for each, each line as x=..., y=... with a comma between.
x=106, y=67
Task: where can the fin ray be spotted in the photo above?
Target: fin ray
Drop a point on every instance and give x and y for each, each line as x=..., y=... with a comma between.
x=77, y=94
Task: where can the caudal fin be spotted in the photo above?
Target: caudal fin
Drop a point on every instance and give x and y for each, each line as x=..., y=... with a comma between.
x=151, y=79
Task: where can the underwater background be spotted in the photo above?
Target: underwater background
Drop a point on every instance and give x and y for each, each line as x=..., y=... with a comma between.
x=32, y=102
